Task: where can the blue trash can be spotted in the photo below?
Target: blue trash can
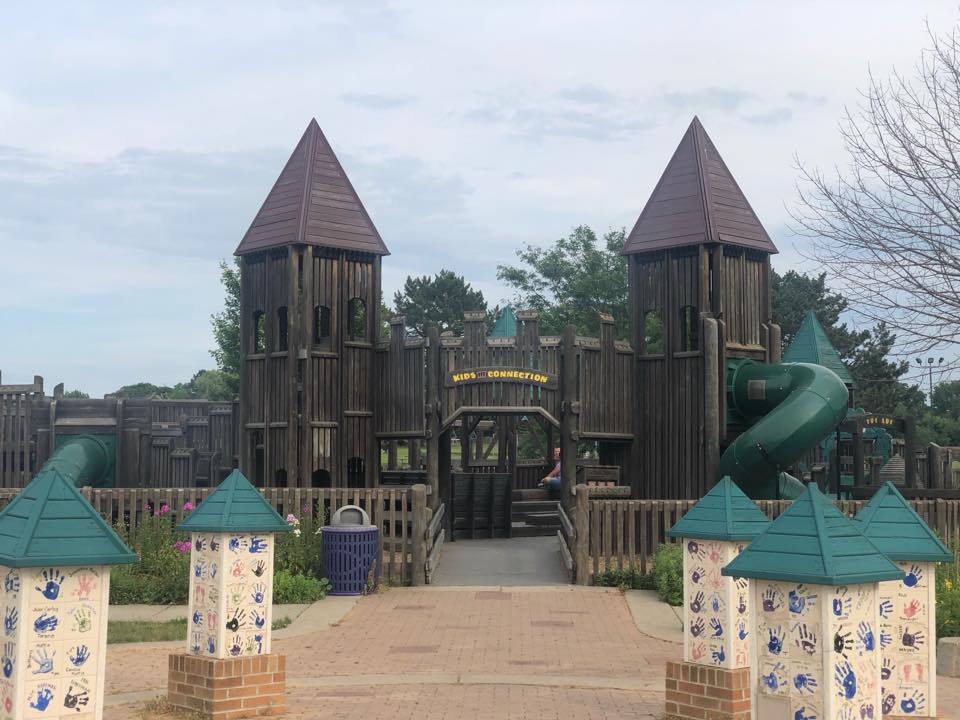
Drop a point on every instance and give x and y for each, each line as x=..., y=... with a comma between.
x=350, y=558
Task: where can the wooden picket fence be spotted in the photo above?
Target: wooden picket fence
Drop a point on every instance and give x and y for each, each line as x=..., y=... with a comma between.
x=617, y=534
x=400, y=513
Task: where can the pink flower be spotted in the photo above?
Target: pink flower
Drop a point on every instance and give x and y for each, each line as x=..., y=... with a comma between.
x=164, y=509
x=182, y=546
x=291, y=518
x=146, y=506
x=188, y=506
x=306, y=508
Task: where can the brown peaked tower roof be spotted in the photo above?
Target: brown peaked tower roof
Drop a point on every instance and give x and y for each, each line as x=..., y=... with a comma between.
x=313, y=203
x=697, y=201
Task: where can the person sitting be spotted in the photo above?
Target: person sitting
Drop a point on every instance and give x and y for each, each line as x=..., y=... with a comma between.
x=551, y=480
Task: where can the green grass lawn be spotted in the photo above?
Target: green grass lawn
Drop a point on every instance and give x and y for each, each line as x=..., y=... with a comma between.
x=127, y=631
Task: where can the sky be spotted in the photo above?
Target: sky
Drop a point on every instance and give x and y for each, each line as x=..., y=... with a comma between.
x=137, y=140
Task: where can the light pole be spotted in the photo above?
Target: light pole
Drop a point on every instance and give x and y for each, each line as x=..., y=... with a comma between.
x=929, y=373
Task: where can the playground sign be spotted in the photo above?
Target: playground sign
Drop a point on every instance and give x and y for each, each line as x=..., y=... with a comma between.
x=469, y=376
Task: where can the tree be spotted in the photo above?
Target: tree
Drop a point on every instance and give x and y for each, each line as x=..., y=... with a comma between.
x=886, y=229
x=439, y=300
x=143, y=390
x=794, y=294
x=226, y=327
x=573, y=281
x=79, y=394
x=880, y=388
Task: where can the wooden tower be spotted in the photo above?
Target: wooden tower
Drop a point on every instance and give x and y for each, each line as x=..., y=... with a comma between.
x=699, y=270
x=309, y=301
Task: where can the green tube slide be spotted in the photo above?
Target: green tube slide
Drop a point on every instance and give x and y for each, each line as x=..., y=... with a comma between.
x=83, y=460
x=792, y=407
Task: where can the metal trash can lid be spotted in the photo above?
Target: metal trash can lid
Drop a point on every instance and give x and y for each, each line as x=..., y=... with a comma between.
x=350, y=515
x=348, y=529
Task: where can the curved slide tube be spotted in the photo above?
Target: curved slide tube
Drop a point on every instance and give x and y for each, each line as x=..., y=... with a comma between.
x=82, y=460
x=797, y=404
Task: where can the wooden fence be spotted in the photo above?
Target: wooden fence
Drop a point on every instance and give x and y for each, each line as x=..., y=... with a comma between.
x=616, y=534
x=400, y=513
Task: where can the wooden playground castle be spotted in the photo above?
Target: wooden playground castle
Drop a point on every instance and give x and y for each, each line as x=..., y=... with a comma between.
x=326, y=401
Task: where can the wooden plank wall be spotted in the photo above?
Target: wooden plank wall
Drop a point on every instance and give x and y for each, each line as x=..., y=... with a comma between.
x=625, y=533
x=400, y=384
x=17, y=443
x=606, y=380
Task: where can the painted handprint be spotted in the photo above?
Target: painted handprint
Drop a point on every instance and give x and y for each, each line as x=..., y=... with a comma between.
x=798, y=599
x=801, y=714
x=772, y=599
x=916, y=701
x=11, y=582
x=885, y=639
x=698, y=651
x=889, y=702
x=42, y=701
x=846, y=680
x=75, y=700
x=694, y=549
x=214, y=569
x=9, y=656
x=79, y=655
x=865, y=636
x=742, y=631
x=696, y=629
x=717, y=627
x=235, y=648
x=806, y=639
x=259, y=622
x=258, y=545
x=237, y=621
x=913, y=577
x=840, y=603
x=234, y=544
x=259, y=593
x=200, y=543
x=211, y=645
x=715, y=555
x=716, y=603
x=10, y=622
x=258, y=568
x=886, y=607
x=258, y=639
x=886, y=670
x=197, y=617
x=236, y=570
x=718, y=655
x=214, y=545
x=805, y=682
x=45, y=623
x=195, y=643
x=51, y=579
x=237, y=592
x=83, y=619
x=696, y=605
x=199, y=569
x=911, y=609
x=85, y=586
x=696, y=575
x=741, y=604
x=774, y=679
x=912, y=638
x=775, y=640
x=42, y=658
x=211, y=621
x=199, y=593
x=842, y=642
x=867, y=711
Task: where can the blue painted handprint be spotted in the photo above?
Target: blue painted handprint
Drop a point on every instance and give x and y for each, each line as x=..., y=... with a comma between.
x=43, y=660
x=234, y=544
x=801, y=714
x=840, y=604
x=199, y=568
x=913, y=577
x=259, y=593
x=719, y=655
x=886, y=607
x=258, y=545
x=10, y=622
x=846, y=679
x=773, y=679
x=79, y=655
x=9, y=654
x=805, y=682
x=46, y=623
x=914, y=702
x=775, y=641
x=259, y=622
x=865, y=636
x=197, y=618
x=742, y=631
x=52, y=580
x=211, y=645
x=44, y=696
x=258, y=639
x=717, y=627
x=797, y=599
x=11, y=582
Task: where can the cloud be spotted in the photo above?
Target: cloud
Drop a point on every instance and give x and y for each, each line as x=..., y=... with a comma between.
x=709, y=98
x=773, y=117
x=588, y=95
x=373, y=101
x=804, y=98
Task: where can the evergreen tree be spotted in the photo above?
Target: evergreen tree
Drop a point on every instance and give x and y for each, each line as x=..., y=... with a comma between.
x=440, y=300
x=226, y=327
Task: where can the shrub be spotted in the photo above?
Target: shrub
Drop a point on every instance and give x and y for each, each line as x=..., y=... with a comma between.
x=298, y=552
x=298, y=589
x=629, y=578
x=948, y=597
x=668, y=574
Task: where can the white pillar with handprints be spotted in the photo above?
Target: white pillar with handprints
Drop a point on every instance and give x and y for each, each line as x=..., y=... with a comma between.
x=54, y=642
x=231, y=594
x=716, y=609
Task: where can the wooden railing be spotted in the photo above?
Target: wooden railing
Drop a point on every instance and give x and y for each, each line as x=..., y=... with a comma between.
x=400, y=513
x=618, y=534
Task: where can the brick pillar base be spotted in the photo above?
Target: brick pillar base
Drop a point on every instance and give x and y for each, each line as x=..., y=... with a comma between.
x=227, y=689
x=698, y=692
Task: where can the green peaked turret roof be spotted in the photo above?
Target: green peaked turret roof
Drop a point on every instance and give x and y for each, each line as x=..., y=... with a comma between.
x=813, y=542
x=724, y=513
x=894, y=526
x=50, y=523
x=811, y=345
x=235, y=506
x=506, y=325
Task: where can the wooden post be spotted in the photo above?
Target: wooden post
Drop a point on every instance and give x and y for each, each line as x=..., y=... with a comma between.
x=910, y=452
x=776, y=345
x=711, y=399
x=569, y=425
x=432, y=415
x=934, y=466
x=581, y=525
x=418, y=534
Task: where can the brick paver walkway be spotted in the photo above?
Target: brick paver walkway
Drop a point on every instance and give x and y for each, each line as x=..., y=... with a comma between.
x=532, y=653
